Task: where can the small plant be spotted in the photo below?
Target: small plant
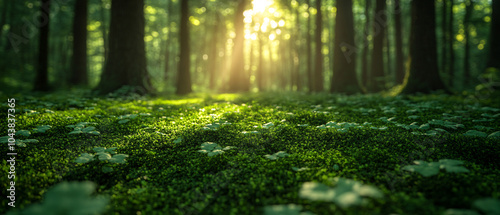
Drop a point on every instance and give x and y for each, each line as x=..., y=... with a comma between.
x=67, y=198
x=126, y=118
x=18, y=142
x=42, y=128
x=212, y=149
x=347, y=192
x=427, y=169
x=277, y=155
x=81, y=128
x=103, y=154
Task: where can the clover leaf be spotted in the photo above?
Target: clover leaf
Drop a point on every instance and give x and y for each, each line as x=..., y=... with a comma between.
x=346, y=193
x=489, y=206
x=475, y=133
x=25, y=133
x=84, y=158
x=275, y=156
x=213, y=149
x=290, y=209
x=427, y=169
x=42, y=128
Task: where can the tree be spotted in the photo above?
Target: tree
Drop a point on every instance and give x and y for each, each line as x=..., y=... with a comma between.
x=344, y=68
x=238, y=79
x=424, y=75
x=467, y=20
x=377, y=65
x=126, y=64
x=309, y=72
x=42, y=73
x=79, y=59
x=494, y=36
x=366, y=46
x=451, y=63
x=184, y=75
x=400, y=71
x=318, y=64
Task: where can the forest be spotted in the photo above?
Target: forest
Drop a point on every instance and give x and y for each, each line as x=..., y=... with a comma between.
x=250, y=106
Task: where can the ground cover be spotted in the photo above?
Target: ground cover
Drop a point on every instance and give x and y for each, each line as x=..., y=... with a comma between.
x=255, y=154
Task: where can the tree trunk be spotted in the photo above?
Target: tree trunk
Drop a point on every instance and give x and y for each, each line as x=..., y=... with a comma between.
x=344, y=68
x=184, y=74
x=79, y=74
x=126, y=65
x=366, y=46
x=444, y=38
x=377, y=66
x=238, y=81
x=494, y=57
x=400, y=70
x=42, y=75
x=260, y=68
x=451, y=74
x=310, y=76
x=467, y=20
x=104, y=34
x=166, y=69
x=213, y=55
x=297, y=46
x=318, y=65
x=424, y=75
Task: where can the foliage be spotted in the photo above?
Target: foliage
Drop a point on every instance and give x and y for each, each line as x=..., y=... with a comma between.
x=103, y=154
x=427, y=169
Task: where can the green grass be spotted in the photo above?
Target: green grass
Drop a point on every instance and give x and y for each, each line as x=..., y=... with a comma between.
x=165, y=173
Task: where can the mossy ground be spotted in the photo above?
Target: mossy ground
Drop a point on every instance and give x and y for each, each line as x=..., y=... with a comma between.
x=165, y=177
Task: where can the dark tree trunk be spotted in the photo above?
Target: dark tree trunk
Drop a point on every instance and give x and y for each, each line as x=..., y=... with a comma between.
x=366, y=47
x=238, y=81
x=467, y=20
x=444, y=38
x=79, y=59
x=451, y=63
x=310, y=76
x=424, y=75
x=344, y=67
x=103, y=31
x=494, y=58
x=42, y=75
x=400, y=71
x=377, y=65
x=318, y=64
x=126, y=65
x=298, y=44
x=184, y=75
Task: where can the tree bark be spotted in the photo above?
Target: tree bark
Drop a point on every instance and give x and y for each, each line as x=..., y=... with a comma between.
x=184, y=74
x=310, y=76
x=467, y=20
x=42, y=74
x=451, y=63
x=79, y=74
x=344, y=69
x=377, y=66
x=126, y=65
x=366, y=46
x=494, y=57
x=318, y=65
x=424, y=75
x=400, y=70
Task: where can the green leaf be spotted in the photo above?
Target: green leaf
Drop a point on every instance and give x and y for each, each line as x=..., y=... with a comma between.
x=290, y=209
x=268, y=125
x=336, y=167
x=111, y=150
x=209, y=146
x=429, y=169
x=94, y=132
x=119, y=158
x=42, y=128
x=494, y=135
x=88, y=129
x=489, y=206
x=123, y=121
x=215, y=152
x=178, y=140
x=460, y=212
x=271, y=157
x=300, y=169
x=475, y=133
x=281, y=154
x=84, y=158
x=99, y=149
x=228, y=147
x=76, y=132
x=107, y=169
x=103, y=156
x=25, y=133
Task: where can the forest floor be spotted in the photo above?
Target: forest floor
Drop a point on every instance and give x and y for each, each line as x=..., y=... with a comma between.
x=254, y=154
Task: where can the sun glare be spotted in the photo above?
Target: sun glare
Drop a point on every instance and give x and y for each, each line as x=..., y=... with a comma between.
x=259, y=6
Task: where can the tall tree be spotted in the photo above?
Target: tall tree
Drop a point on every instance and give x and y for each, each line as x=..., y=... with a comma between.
x=451, y=50
x=214, y=51
x=400, y=71
x=344, y=67
x=309, y=70
x=424, y=74
x=184, y=75
x=318, y=64
x=493, y=60
x=366, y=46
x=467, y=25
x=444, y=37
x=79, y=59
x=238, y=79
x=42, y=74
x=126, y=64
x=377, y=63
x=166, y=69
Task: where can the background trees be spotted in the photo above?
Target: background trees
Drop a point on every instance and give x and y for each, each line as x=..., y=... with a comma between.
x=246, y=45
